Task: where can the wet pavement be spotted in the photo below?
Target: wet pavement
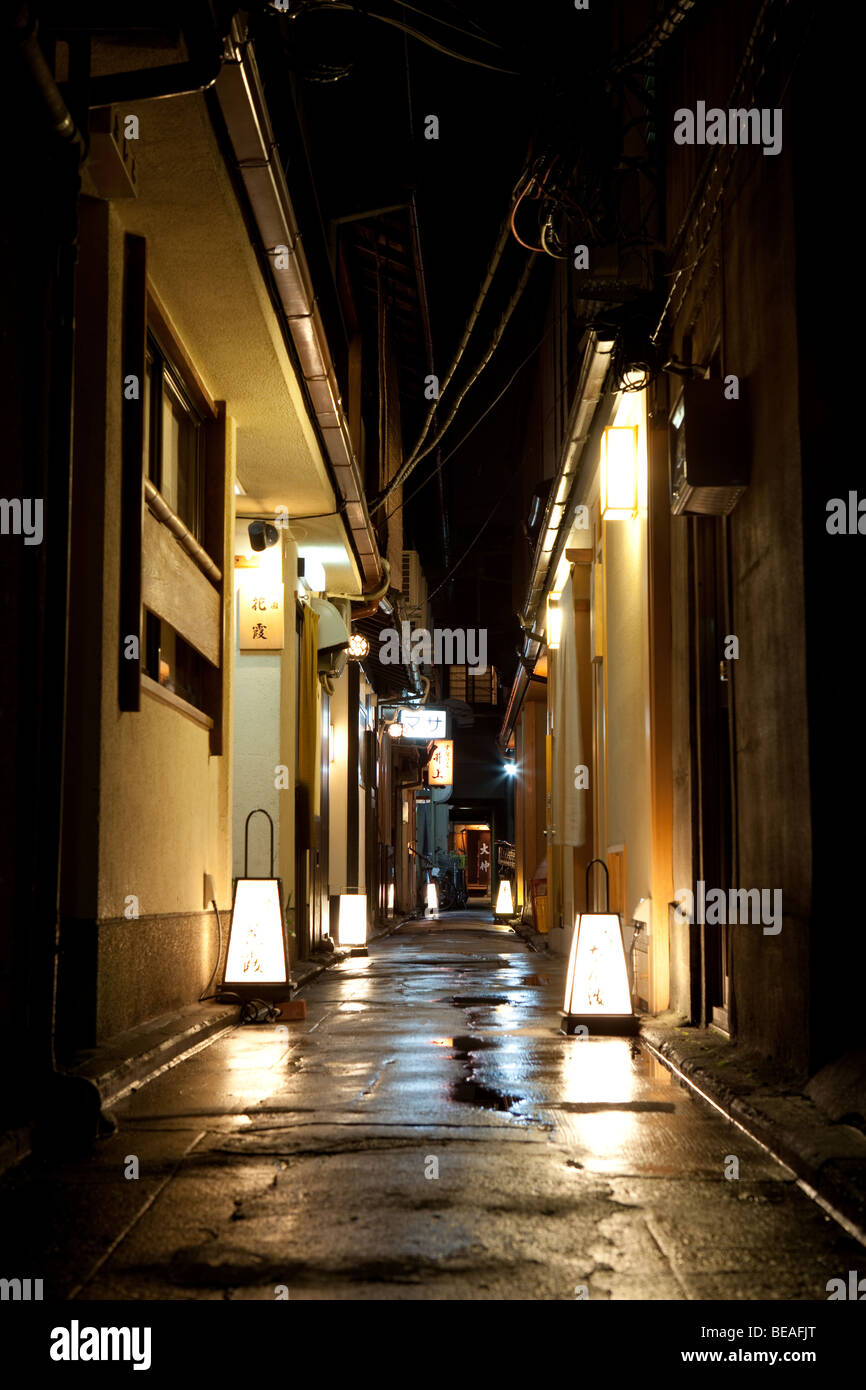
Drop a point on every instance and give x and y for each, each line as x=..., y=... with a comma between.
x=425, y=1133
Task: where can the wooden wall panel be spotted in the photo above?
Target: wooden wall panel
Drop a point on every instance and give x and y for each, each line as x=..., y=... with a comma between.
x=174, y=588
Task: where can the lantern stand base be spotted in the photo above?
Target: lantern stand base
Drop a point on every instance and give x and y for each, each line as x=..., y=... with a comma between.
x=608, y=1025
x=358, y=951
x=271, y=993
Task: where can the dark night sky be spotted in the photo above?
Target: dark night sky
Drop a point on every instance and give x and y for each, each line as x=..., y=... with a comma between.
x=366, y=135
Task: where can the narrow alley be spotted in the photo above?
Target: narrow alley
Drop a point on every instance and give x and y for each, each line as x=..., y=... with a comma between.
x=425, y=1133
x=431, y=752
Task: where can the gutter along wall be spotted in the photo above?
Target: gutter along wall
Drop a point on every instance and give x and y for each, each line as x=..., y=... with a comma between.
x=242, y=104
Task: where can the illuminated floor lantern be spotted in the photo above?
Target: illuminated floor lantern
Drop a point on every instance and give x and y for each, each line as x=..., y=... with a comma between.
x=432, y=898
x=257, y=958
x=353, y=922
x=597, y=996
x=390, y=900
x=504, y=899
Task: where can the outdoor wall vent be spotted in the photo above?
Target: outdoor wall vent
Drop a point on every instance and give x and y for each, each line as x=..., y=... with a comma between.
x=708, y=449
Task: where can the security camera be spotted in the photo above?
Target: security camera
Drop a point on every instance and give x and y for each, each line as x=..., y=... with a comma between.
x=262, y=534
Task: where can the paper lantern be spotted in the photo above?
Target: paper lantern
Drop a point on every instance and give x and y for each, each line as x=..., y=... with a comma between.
x=353, y=919
x=256, y=954
x=504, y=899
x=597, y=995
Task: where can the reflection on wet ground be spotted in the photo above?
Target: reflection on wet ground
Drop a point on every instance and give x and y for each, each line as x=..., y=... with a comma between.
x=428, y=1132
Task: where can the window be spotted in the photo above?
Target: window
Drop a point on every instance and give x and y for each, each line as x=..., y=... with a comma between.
x=173, y=440
x=174, y=461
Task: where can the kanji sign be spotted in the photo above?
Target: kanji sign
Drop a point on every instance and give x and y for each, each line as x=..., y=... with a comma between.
x=260, y=616
x=441, y=764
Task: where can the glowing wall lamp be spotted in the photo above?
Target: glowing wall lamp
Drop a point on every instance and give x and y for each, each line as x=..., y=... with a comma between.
x=359, y=646
x=553, y=631
x=353, y=920
x=619, y=472
x=597, y=997
x=504, y=899
x=256, y=955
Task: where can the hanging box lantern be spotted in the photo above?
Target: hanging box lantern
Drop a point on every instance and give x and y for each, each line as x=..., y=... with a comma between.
x=597, y=995
x=257, y=957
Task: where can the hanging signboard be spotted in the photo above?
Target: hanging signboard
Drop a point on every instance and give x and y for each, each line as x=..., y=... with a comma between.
x=441, y=764
x=260, y=616
x=423, y=723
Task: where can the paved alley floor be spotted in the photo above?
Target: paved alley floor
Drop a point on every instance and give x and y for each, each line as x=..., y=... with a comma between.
x=425, y=1133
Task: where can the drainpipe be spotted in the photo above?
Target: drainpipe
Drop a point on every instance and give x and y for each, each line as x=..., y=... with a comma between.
x=241, y=99
x=568, y=485
x=62, y=124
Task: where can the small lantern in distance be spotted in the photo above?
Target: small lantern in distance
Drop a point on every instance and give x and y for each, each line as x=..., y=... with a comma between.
x=504, y=899
x=352, y=922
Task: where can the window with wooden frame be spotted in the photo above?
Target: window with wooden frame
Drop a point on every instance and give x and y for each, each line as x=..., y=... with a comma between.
x=174, y=462
x=174, y=519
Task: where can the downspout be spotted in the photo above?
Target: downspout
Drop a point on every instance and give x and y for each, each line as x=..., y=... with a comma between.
x=568, y=485
x=241, y=99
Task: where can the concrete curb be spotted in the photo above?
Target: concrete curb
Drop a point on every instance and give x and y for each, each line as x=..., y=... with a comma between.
x=136, y=1057
x=826, y=1156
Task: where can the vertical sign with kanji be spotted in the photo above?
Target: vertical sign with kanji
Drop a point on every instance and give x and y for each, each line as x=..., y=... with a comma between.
x=260, y=618
x=441, y=765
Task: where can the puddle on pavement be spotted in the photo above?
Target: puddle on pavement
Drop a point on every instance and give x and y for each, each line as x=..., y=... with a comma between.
x=467, y=1001
x=463, y=1046
x=473, y=1093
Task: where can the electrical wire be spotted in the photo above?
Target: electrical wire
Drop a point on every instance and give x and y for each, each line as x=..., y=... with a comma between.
x=494, y=343
x=413, y=34
x=307, y=516
x=481, y=417
x=407, y=466
x=480, y=298
x=525, y=244
x=474, y=541
x=204, y=994
x=425, y=14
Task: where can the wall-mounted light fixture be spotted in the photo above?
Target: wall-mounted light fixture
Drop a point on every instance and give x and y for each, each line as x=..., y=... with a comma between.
x=553, y=627
x=395, y=730
x=359, y=647
x=619, y=473
x=597, y=997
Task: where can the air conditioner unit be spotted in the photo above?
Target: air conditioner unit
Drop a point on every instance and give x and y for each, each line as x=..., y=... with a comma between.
x=709, y=462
